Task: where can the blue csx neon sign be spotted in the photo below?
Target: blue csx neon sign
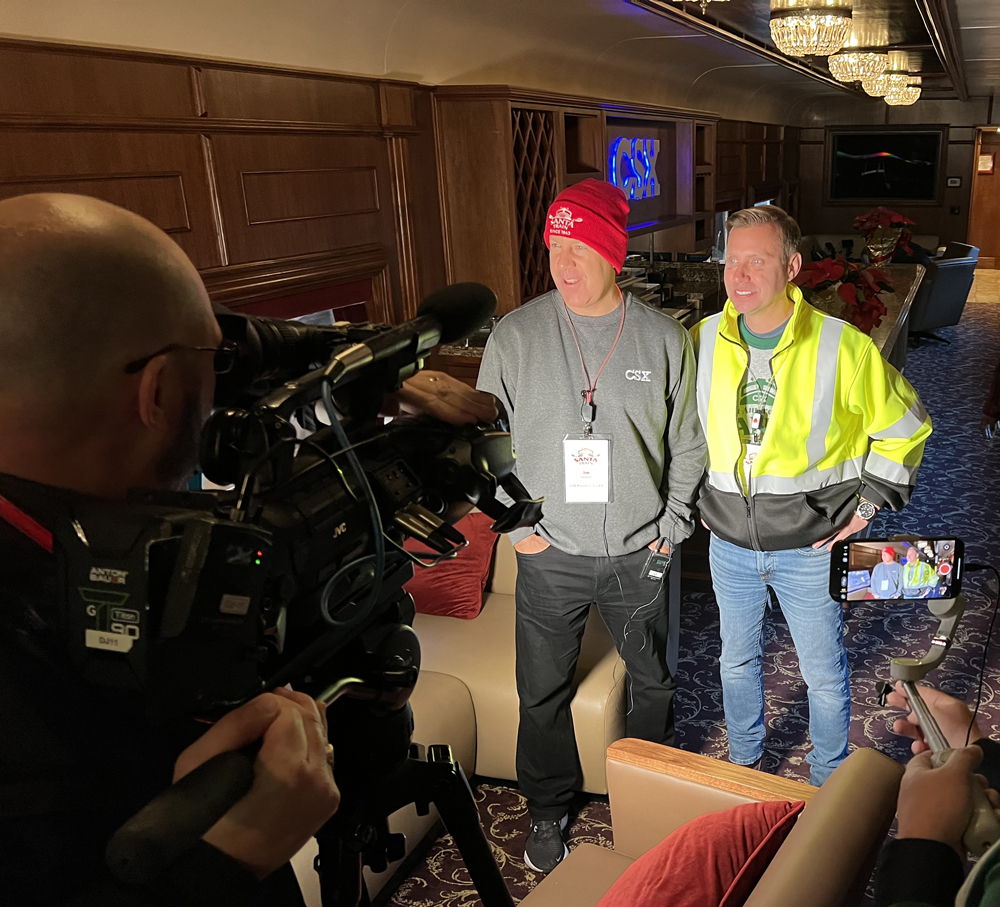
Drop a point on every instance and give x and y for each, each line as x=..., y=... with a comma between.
x=632, y=166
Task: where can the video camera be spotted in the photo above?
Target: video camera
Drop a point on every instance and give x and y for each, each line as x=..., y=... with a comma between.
x=201, y=600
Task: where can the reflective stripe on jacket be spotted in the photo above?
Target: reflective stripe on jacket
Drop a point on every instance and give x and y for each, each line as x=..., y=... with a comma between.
x=843, y=419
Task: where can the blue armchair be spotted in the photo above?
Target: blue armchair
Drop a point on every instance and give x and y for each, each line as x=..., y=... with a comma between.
x=942, y=295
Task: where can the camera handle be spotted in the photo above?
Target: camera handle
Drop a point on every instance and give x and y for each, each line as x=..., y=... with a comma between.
x=172, y=822
x=983, y=830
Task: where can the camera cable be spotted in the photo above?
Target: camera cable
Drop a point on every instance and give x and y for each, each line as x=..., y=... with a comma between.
x=986, y=645
x=376, y=523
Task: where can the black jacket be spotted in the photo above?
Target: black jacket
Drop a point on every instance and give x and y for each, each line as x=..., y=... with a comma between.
x=76, y=762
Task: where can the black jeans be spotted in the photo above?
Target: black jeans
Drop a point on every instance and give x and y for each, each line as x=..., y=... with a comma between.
x=554, y=593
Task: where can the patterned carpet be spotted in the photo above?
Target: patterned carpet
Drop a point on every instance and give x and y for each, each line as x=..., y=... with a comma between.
x=956, y=495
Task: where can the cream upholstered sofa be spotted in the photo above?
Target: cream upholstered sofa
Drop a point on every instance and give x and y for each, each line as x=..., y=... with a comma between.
x=466, y=696
x=825, y=861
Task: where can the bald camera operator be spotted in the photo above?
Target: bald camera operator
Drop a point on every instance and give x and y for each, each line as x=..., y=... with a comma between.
x=108, y=354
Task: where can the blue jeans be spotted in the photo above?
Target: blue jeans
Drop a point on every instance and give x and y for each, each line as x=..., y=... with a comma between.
x=800, y=577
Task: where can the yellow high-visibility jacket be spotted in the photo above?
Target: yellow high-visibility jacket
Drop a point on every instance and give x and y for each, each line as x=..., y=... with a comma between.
x=844, y=423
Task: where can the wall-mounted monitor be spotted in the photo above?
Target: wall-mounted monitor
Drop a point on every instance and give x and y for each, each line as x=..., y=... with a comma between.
x=876, y=165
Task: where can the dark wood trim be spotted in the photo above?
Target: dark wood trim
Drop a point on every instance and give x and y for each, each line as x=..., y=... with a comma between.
x=150, y=56
x=216, y=203
x=567, y=103
x=442, y=185
x=195, y=124
x=668, y=11
x=409, y=267
x=280, y=277
x=941, y=23
x=381, y=310
x=940, y=129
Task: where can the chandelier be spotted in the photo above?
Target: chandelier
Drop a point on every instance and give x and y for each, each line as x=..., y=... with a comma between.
x=803, y=27
x=904, y=96
x=895, y=77
x=854, y=66
x=703, y=3
x=889, y=82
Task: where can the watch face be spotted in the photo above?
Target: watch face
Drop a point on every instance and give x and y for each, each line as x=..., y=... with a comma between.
x=866, y=510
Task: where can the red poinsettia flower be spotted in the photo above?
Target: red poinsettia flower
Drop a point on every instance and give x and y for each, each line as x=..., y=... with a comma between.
x=849, y=293
x=822, y=272
x=870, y=221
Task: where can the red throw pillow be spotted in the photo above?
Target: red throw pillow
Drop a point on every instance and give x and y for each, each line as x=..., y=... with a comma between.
x=454, y=588
x=712, y=861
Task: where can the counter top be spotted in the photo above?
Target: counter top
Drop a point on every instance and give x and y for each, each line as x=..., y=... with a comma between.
x=906, y=281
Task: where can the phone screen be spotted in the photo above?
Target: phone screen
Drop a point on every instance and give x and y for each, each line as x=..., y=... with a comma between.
x=887, y=569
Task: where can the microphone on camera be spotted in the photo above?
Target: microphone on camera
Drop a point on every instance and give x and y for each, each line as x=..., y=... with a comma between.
x=445, y=316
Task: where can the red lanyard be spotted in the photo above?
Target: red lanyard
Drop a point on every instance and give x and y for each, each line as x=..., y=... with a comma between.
x=587, y=409
x=24, y=524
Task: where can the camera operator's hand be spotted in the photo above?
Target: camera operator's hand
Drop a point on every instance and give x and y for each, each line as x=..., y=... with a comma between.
x=443, y=397
x=952, y=716
x=293, y=793
x=936, y=803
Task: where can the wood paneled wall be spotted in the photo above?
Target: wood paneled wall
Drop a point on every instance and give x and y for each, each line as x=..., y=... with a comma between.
x=948, y=220
x=274, y=182
x=756, y=162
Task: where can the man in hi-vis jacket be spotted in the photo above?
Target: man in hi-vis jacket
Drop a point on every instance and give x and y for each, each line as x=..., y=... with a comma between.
x=810, y=432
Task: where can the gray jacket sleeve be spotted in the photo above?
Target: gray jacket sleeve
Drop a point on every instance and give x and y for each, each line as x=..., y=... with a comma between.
x=685, y=449
x=499, y=379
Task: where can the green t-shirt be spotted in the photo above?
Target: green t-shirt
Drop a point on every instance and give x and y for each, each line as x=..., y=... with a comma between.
x=757, y=390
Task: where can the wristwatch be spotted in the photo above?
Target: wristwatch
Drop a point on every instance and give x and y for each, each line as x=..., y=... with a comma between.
x=866, y=510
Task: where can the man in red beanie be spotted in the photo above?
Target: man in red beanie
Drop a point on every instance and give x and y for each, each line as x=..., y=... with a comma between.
x=600, y=393
x=887, y=577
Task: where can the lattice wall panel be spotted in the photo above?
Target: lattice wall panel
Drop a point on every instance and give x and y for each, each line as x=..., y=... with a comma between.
x=535, y=187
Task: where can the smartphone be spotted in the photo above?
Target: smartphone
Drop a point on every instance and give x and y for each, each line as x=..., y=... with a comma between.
x=892, y=569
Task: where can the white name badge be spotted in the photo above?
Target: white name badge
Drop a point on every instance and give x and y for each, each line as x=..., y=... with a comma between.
x=587, y=463
x=885, y=585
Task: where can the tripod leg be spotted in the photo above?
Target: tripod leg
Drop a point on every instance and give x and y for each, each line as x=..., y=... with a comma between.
x=341, y=883
x=453, y=797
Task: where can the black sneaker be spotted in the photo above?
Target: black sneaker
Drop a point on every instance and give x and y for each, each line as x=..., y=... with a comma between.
x=546, y=849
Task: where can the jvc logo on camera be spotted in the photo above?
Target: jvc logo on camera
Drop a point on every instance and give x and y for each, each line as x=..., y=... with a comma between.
x=633, y=374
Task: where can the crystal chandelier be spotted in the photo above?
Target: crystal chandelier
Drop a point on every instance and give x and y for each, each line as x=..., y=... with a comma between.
x=803, y=27
x=904, y=96
x=703, y=3
x=893, y=79
x=854, y=66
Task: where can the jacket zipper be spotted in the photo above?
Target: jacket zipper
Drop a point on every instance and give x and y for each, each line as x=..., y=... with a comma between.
x=748, y=495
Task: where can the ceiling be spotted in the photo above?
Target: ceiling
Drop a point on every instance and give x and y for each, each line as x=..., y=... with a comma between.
x=979, y=25
x=600, y=48
x=897, y=24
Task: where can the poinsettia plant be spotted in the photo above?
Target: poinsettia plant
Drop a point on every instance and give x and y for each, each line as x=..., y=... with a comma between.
x=885, y=218
x=857, y=284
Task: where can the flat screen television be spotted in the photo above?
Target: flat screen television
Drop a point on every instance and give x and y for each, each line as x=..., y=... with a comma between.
x=885, y=165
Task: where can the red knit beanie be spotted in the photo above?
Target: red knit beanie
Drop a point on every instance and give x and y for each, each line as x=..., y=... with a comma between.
x=596, y=213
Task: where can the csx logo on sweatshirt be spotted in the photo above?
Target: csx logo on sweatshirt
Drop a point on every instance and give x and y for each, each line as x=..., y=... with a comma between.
x=633, y=374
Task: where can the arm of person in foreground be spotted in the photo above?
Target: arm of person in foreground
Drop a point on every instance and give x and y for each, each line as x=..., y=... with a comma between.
x=924, y=865
x=292, y=796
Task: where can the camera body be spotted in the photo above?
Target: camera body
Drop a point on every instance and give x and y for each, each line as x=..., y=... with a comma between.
x=201, y=600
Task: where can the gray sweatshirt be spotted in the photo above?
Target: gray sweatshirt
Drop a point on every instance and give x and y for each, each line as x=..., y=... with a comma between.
x=645, y=400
